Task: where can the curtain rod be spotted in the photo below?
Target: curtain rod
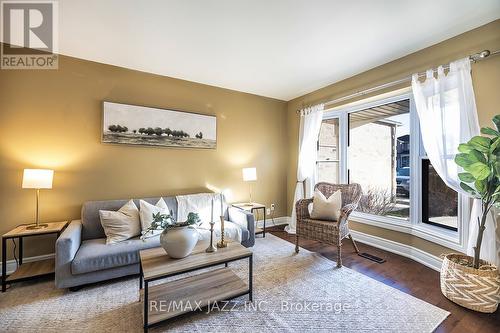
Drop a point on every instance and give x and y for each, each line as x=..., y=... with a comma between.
x=473, y=58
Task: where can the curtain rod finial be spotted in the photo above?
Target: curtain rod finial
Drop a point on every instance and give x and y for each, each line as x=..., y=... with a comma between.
x=484, y=53
x=480, y=55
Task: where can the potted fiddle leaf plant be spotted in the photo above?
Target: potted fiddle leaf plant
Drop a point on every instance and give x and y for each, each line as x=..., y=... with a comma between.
x=177, y=238
x=465, y=280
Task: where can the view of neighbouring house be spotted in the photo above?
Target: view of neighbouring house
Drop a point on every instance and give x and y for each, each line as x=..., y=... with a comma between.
x=403, y=151
x=372, y=150
x=328, y=151
x=379, y=144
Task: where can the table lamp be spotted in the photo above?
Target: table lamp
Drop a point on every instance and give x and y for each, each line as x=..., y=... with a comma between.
x=250, y=175
x=37, y=179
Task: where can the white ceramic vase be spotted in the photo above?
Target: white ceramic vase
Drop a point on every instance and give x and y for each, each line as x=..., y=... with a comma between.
x=179, y=242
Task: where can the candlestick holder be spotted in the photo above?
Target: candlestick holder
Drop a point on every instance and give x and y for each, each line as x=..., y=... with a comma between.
x=222, y=243
x=211, y=248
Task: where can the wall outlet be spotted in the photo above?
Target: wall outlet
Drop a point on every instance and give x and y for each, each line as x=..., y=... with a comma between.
x=273, y=206
x=268, y=211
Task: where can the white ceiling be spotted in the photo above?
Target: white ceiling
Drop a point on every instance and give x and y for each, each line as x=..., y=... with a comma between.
x=281, y=48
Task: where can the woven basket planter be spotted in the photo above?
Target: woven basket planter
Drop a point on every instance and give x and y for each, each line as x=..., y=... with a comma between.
x=475, y=289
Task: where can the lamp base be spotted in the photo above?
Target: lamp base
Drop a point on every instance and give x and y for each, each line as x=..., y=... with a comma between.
x=37, y=226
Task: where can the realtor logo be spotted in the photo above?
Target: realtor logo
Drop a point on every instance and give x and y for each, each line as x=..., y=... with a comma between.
x=29, y=34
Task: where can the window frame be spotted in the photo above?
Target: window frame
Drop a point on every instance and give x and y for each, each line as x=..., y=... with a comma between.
x=456, y=240
x=339, y=153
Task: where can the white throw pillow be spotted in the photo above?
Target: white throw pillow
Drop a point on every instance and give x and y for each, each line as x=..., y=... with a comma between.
x=122, y=224
x=326, y=209
x=146, y=214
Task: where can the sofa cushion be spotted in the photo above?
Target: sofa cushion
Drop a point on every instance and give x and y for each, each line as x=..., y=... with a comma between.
x=95, y=255
x=91, y=224
x=146, y=214
x=122, y=224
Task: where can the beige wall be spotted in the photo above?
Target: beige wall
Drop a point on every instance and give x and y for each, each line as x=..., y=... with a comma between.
x=486, y=79
x=52, y=118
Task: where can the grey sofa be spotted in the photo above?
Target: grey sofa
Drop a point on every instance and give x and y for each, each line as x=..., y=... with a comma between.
x=82, y=256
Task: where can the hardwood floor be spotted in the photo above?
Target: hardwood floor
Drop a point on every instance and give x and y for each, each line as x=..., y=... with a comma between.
x=408, y=276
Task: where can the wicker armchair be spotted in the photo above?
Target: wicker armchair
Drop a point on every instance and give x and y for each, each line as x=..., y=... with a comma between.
x=329, y=232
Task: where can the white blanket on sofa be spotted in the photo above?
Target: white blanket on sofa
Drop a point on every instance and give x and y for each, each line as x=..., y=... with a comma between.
x=231, y=231
x=201, y=203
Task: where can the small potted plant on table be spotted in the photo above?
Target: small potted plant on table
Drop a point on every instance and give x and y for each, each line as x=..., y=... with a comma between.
x=178, y=238
x=471, y=281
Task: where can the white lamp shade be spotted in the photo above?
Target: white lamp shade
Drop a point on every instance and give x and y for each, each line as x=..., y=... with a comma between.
x=37, y=178
x=249, y=174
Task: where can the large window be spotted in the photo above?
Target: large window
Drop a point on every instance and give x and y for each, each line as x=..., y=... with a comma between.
x=378, y=158
x=378, y=145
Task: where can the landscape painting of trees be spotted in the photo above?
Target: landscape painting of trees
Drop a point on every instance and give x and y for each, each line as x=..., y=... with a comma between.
x=140, y=125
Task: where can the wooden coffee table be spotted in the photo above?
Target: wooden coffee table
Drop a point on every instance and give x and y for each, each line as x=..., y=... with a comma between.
x=169, y=299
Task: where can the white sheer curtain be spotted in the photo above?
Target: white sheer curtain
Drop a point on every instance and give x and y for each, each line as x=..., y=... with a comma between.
x=310, y=123
x=447, y=113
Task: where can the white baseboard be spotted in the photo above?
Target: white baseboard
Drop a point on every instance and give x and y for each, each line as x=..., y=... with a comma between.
x=11, y=264
x=404, y=250
x=277, y=221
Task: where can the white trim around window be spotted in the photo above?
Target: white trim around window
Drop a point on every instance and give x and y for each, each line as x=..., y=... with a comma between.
x=455, y=240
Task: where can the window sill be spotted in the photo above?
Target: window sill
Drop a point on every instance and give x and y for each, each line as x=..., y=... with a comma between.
x=440, y=236
x=382, y=222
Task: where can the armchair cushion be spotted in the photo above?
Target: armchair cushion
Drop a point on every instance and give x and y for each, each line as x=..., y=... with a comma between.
x=326, y=208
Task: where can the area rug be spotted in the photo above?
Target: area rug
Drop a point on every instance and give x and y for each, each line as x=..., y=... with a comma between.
x=302, y=292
